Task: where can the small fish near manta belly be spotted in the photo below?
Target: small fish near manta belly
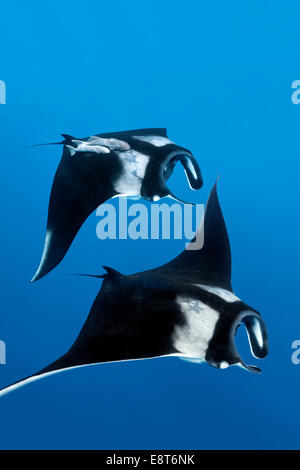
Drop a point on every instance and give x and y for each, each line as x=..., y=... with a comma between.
x=97, y=145
x=185, y=308
x=83, y=147
x=97, y=168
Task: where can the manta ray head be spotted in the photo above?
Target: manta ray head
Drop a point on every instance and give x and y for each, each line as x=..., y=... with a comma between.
x=223, y=352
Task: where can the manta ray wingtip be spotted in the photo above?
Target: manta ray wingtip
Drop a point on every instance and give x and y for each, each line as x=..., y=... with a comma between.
x=35, y=277
x=215, y=186
x=39, y=274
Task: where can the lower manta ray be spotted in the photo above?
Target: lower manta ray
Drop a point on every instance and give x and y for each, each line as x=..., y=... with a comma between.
x=184, y=308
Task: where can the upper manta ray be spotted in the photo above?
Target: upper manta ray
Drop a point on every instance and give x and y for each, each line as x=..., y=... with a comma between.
x=95, y=169
x=184, y=308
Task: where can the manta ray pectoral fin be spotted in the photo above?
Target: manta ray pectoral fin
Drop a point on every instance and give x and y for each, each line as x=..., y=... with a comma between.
x=212, y=263
x=66, y=362
x=26, y=381
x=77, y=190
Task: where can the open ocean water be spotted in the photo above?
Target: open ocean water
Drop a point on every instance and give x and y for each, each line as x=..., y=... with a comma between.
x=219, y=76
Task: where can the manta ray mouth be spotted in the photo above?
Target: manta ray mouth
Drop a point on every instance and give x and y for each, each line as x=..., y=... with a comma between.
x=190, y=165
x=257, y=337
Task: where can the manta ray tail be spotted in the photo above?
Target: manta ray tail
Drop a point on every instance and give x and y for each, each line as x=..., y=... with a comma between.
x=67, y=138
x=111, y=274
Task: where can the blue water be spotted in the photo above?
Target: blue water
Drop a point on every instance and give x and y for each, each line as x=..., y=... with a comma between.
x=218, y=75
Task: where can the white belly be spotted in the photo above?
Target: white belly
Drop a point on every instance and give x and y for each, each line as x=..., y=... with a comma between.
x=192, y=338
x=134, y=166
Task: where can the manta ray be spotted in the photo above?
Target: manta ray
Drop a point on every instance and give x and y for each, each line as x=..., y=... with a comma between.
x=185, y=308
x=94, y=169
